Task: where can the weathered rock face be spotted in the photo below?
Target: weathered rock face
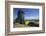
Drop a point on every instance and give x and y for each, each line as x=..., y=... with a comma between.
x=20, y=17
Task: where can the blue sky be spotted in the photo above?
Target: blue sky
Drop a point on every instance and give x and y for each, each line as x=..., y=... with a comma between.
x=29, y=13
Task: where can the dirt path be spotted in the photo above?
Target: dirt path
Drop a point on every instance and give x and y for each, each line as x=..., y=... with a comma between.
x=19, y=25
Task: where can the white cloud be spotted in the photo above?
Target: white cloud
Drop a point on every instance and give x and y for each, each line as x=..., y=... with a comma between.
x=15, y=17
x=32, y=17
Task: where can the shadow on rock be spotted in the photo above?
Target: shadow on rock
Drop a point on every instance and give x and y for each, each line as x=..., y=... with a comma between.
x=33, y=24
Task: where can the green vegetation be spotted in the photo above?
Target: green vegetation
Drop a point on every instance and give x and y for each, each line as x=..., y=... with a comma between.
x=34, y=20
x=31, y=23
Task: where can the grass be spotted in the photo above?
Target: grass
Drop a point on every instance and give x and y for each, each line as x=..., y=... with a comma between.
x=27, y=21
